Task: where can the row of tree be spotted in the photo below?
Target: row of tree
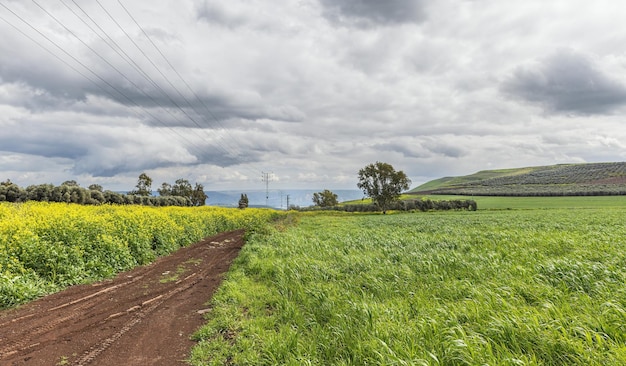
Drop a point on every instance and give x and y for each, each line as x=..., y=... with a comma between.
x=405, y=205
x=181, y=193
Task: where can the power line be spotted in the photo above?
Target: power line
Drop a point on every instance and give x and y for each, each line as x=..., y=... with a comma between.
x=122, y=94
x=124, y=98
x=123, y=75
x=225, y=148
x=178, y=74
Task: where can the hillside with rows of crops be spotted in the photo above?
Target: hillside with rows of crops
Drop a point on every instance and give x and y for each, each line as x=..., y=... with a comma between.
x=591, y=179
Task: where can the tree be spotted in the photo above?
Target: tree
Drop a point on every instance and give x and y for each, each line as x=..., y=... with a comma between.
x=96, y=197
x=243, y=201
x=182, y=188
x=198, y=197
x=144, y=186
x=70, y=183
x=96, y=187
x=11, y=192
x=382, y=183
x=165, y=190
x=325, y=198
x=40, y=192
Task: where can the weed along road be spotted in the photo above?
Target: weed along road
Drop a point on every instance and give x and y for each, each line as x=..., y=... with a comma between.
x=141, y=317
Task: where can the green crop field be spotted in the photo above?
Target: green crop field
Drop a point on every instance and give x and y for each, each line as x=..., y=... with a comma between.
x=497, y=287
x=504, y=203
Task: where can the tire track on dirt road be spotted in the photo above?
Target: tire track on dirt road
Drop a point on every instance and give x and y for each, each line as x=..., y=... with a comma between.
x=141, y=317
x=53, y=318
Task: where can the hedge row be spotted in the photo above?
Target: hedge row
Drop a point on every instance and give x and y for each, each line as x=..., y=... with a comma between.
x=406, y=205
x=74, y=194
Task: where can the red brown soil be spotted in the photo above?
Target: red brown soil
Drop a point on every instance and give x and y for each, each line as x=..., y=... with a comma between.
x=142, y=317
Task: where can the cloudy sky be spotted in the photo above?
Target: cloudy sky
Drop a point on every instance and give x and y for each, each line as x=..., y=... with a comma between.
x=218, y=92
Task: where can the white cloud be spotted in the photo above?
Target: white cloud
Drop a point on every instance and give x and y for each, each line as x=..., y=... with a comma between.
x=312, y=90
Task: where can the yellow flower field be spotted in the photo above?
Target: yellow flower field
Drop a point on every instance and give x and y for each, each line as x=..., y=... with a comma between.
x=46, y=246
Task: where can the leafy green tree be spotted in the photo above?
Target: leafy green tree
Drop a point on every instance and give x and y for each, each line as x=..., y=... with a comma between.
x=243, y=201
x=113, y=197
x=198, y=197
x=165, y=190
x=70, y=183
x=78, y=195
x=382, y=183
x=11, y=192
x=95, y=197
x=96, y=187
x=189, y=195
x=40, y=192
x=144, y=186
x=57, y=193
x=325, y=198
x=182, y=188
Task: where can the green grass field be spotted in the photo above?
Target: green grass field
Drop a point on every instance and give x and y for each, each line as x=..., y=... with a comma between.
x=503, y=203
x=497, y=287
x=506, y=203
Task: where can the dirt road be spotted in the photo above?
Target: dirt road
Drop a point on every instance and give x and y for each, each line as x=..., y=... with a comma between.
x=142, y=317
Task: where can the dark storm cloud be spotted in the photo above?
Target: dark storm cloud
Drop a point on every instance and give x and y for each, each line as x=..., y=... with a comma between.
x=568, y=83
x=368, y=12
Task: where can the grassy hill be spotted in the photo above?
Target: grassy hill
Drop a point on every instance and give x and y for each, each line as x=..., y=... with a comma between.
x=590, y=179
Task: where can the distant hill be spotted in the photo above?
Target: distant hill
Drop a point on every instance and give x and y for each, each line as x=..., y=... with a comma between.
x=276, y=198
x=590, y=179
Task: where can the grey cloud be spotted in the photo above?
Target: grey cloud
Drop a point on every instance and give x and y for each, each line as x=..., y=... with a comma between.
x=566, y=82
x=48, y=144
x=364, y=13
x=242, y=14
x=109, y=163
x=444, y=149
x=314, y=88
x=89, y=165
x=54, y=86
x=411, y=151
x=224, y=159
x=49, y=84
x=425, y=149
x=213, y=13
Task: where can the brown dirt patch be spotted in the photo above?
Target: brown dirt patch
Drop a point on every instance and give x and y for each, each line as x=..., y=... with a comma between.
x=141, y=317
